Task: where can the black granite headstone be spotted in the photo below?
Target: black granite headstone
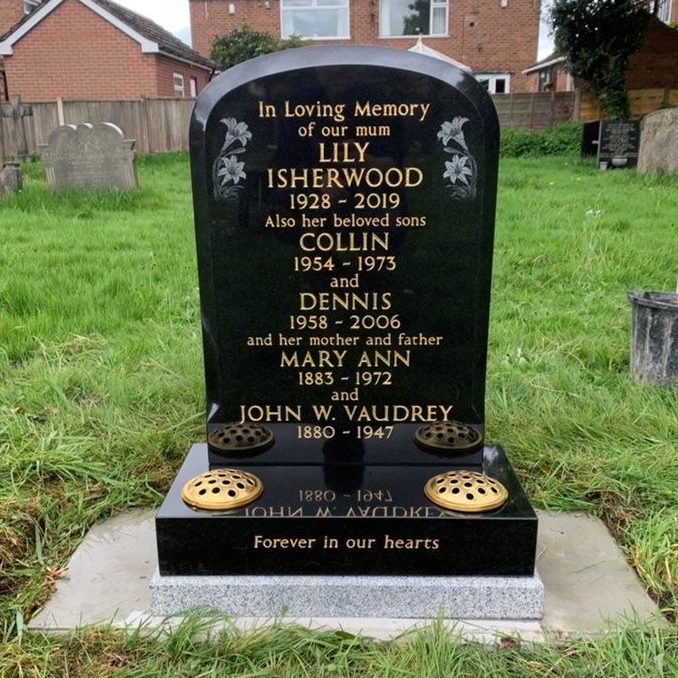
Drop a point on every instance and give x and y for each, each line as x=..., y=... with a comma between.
x=344, y=208
x=589, y=138
x=618, y=143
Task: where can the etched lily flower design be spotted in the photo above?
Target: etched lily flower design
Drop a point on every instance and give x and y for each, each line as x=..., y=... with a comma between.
x=458, y=170
x=231, y=170
x=462, y=170
x=453, y=130
x=226, y=169
x=235, y=132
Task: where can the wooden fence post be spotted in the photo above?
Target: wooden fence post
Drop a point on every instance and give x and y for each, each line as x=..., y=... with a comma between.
x=145, y=125
x=17, y=112
x=2, y=142
x=61, y=118
x=576, y=109
x=553, y=108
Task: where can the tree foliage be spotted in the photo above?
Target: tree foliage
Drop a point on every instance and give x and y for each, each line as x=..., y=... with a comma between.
x=243, y=43
x=597, y=37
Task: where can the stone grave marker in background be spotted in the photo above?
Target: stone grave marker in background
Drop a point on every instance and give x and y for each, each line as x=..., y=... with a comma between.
x=618, y=142
x=90, y=156
x=344, y=205
x=659, y=142
x=589, y=138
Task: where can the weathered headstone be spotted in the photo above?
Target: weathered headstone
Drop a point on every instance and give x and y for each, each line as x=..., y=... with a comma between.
x=90, y=156
x=344, y=204
x=659, y=143
x=618, y=142
x=11, y=179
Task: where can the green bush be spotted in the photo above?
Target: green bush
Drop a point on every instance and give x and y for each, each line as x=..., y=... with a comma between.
x=243, y=43
x=560, y=140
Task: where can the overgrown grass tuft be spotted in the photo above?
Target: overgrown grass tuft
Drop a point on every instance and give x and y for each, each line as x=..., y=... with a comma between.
x=101, y=393
x=287, y=651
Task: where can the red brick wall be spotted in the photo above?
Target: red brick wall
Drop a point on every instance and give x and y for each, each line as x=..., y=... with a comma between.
x=165, y=70
x=75, y=54
x=482, y=34
x=561, y=84
x=656, y=63
x=11, y=11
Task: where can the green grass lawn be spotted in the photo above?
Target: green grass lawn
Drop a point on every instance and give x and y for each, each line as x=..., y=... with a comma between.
x=101, y=393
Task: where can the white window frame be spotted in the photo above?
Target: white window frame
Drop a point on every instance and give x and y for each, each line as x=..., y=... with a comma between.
x=492, y=81
x=340, y=4
x=178, y=83
x=30, y=5
x=193, y=87
x=664, y=11
x=437, y=3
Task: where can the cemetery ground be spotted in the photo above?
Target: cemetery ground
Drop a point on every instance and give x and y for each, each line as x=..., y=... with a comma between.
x=101, y=395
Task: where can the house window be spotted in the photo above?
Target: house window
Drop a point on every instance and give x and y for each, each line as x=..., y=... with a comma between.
x=664, y=10
x=314, y=18
x=547, y=79
x=495, y=84
x=30, y=5
x=194, y=87
x=412, y=17
x=178, y=81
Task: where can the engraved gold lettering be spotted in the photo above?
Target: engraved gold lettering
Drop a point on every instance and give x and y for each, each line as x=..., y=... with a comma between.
x=321, y=358
x=403, y=110
x=283, y=542
x=344, y=177
x=344, y=242
x=271, y=413
x=342, y=151
x=411, y=544
x=344, y=301
x=266, y=110
x=335, y=112
x=397, y=413
x=389, y=358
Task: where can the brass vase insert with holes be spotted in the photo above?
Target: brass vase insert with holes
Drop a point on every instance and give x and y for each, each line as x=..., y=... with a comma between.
x=465, y=491
x=222, y=489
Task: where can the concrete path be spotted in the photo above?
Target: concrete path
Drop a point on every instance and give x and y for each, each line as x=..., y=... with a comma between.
x=589, y=588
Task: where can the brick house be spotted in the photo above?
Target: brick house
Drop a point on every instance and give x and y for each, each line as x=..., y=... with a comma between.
x=496, y=39
x=653, y=66
x=94, y=50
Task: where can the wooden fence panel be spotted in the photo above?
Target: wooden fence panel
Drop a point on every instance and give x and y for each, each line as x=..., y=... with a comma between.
x=45, y=119
x=168, y=124
x=36, y=129
x=124, y=114
x=641, y=102
x=536, y=111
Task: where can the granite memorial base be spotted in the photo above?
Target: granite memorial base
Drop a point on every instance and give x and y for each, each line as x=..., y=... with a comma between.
x=311, y=546
x=403, y=597
x=381, y=524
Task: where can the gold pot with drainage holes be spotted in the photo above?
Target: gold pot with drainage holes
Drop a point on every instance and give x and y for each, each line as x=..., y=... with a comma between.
x=240, y=438
x=447, y=436
x=222, y=489
x=465, y=491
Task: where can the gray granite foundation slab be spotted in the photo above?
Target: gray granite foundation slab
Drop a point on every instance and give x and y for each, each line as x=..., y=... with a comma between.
x=588, y=588
x=353, y=596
